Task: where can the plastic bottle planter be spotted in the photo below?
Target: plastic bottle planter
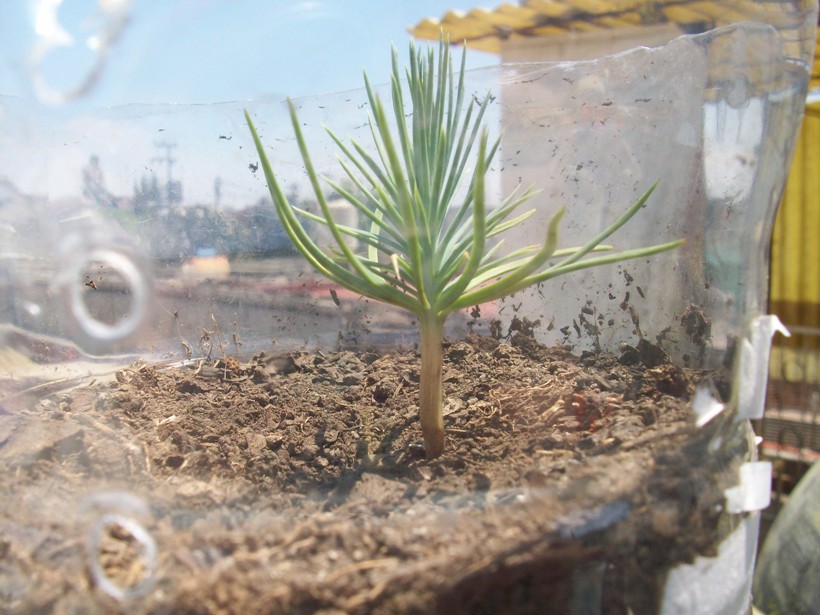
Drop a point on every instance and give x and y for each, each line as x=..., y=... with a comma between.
x=598, y=456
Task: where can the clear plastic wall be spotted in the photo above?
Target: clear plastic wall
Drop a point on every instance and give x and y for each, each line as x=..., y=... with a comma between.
x=178, y=262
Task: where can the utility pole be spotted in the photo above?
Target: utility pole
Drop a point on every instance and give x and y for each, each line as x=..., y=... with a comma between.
x=173, y=191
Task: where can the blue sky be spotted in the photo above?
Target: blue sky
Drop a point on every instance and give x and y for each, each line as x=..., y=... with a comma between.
x=193, y=51
x=175, y=58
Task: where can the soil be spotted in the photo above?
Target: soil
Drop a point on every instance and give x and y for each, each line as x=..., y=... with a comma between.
x=297, y=484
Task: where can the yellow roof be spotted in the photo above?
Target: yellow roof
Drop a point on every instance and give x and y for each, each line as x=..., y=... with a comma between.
x=485, y=29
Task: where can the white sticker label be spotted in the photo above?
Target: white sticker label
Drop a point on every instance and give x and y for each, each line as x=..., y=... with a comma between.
x=754, y=365
x=755, y=489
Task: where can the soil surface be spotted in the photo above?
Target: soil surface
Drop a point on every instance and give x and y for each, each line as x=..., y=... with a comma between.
x=298, y=484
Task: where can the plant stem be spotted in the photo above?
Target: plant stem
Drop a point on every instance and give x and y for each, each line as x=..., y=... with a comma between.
x=430, y=388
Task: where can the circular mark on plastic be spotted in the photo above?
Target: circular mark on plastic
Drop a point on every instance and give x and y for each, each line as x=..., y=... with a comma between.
x=64, y=45
x=122, y=557
x=108, y=264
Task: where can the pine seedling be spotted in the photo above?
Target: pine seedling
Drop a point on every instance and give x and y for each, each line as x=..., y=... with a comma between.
x=427, y=248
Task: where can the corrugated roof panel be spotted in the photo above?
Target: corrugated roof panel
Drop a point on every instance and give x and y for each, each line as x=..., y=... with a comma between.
x=582, y=25
x=550, y=8
x=474, y=27
x=548, y=31
x=486, y=29
x=693, y=12
x=795, y=256
x=623, y=20
x=815, y=71
x=598, y=7
x=511, y=16
x=724, y=13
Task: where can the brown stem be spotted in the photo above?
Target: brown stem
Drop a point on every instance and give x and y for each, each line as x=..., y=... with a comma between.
x=430, y=388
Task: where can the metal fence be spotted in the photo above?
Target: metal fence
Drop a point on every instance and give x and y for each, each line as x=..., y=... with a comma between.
x=790, y=427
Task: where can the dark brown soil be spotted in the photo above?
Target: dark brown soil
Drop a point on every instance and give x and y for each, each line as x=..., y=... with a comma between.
x=298, y=484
